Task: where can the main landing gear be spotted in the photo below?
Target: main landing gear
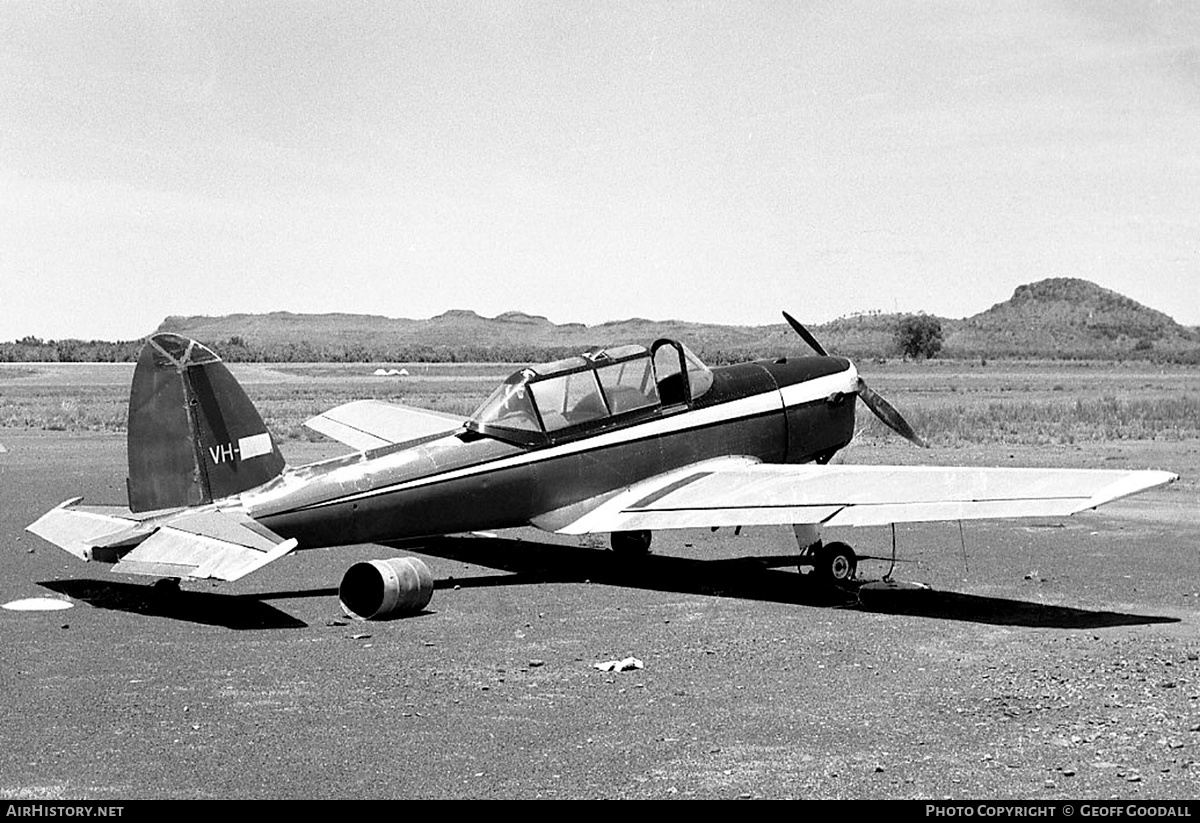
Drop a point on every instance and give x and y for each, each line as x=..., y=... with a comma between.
x=631, y=544
x=832, y=563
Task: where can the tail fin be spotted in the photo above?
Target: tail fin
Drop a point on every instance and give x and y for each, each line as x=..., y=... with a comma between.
x=194, y=436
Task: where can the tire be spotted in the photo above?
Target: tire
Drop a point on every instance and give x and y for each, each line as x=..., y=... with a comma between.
x=835, y=563
x=166, y=587
x=631, y=544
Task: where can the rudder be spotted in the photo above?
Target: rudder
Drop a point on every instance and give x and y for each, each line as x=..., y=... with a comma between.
x=194, y=435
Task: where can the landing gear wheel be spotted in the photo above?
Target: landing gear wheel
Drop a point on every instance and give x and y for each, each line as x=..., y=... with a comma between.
x=165, y=593
x=166, y=587
x=631, y=544
x=835, y=563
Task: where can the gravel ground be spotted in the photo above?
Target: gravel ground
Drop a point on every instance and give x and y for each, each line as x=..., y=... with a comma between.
x=1051, y=659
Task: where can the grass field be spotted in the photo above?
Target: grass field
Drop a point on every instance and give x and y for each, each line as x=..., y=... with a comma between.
x=952, y=403
x=955, y=403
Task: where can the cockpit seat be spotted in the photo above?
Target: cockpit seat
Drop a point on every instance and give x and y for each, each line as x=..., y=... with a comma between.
x=554, y=420
x=627, y=398
x=671, y=390
x=588, y=408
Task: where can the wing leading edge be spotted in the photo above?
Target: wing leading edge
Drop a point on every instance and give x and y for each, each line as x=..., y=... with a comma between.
x=739, y=491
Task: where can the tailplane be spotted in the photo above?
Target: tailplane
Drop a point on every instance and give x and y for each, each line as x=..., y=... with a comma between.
x=194, y=435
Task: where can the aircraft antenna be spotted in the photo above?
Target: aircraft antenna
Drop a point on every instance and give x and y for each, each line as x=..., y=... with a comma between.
x=887, y=578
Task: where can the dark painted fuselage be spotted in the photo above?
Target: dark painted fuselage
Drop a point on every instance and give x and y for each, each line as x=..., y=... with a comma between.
x=777, y=411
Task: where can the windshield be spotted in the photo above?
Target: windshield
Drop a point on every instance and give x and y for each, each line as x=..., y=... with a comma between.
x=510, y=406
x=700, y=376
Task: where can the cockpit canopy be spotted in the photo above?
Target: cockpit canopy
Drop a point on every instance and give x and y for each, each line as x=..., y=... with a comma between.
x=597, y=389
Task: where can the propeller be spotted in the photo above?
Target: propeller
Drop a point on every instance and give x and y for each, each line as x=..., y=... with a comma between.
x=881, y=408
x=886, y=412
x=805, y=334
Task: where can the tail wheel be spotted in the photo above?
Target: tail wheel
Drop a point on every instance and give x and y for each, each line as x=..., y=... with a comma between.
x=166, y=587
x=836, y=563
x=631, y=544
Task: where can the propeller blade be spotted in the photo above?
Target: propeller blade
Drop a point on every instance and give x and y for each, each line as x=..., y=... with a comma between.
x=888, y=414
x=805, y=334
x=882, y=409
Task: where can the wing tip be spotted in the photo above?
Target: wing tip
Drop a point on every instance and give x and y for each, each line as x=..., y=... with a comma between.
x=1135, y=482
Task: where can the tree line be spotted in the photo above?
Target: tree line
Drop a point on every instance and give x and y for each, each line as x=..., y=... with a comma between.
x=238, y=349
x=917, y=336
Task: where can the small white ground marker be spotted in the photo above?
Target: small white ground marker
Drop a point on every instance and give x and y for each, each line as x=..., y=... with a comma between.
x=38, y=604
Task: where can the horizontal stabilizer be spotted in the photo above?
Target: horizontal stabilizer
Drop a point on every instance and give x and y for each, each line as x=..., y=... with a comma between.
x=79, y=530
x=733, y=493
x=372, y=424
x=209, y=544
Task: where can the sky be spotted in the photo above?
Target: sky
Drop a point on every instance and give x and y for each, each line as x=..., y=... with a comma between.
x=590, y=161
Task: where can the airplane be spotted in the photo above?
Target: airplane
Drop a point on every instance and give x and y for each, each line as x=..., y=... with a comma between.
x=622, y=440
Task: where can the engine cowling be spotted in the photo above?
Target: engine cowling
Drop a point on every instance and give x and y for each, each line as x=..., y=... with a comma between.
x=375, y=589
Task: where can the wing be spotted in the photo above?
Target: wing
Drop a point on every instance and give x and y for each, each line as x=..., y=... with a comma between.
x=206, y=543
x=739, y=491
x=372, y=424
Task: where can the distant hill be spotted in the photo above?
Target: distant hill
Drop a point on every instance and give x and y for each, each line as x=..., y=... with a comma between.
x=1055, y=318
x=1067, y=317
x=459, y=335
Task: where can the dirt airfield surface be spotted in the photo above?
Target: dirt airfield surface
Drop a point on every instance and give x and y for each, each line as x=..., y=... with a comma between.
x=1050, y=659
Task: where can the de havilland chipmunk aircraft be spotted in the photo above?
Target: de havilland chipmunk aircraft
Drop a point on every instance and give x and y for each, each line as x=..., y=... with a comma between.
x=622, y=440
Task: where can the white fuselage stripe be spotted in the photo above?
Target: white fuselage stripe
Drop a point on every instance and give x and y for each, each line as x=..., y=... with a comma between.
x=754, y=405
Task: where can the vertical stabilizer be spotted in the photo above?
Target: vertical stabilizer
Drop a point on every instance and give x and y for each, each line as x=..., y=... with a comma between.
x=194, y=436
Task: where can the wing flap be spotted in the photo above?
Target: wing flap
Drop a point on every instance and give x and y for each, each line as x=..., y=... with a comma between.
x=728, y=493
x=699, y=519
x=371, y=424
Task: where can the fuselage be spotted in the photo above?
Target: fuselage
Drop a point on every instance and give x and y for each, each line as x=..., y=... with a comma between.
x=793, y=410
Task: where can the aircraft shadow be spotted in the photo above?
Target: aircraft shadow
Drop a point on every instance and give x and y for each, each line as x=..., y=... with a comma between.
x=997, y=611
x=242, y=612
x=750, y=578
x=530, y=562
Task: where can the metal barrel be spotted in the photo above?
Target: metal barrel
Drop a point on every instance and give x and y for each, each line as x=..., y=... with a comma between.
x=381, y=588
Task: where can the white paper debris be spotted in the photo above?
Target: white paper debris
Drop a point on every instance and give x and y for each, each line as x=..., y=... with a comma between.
x=620, y=665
